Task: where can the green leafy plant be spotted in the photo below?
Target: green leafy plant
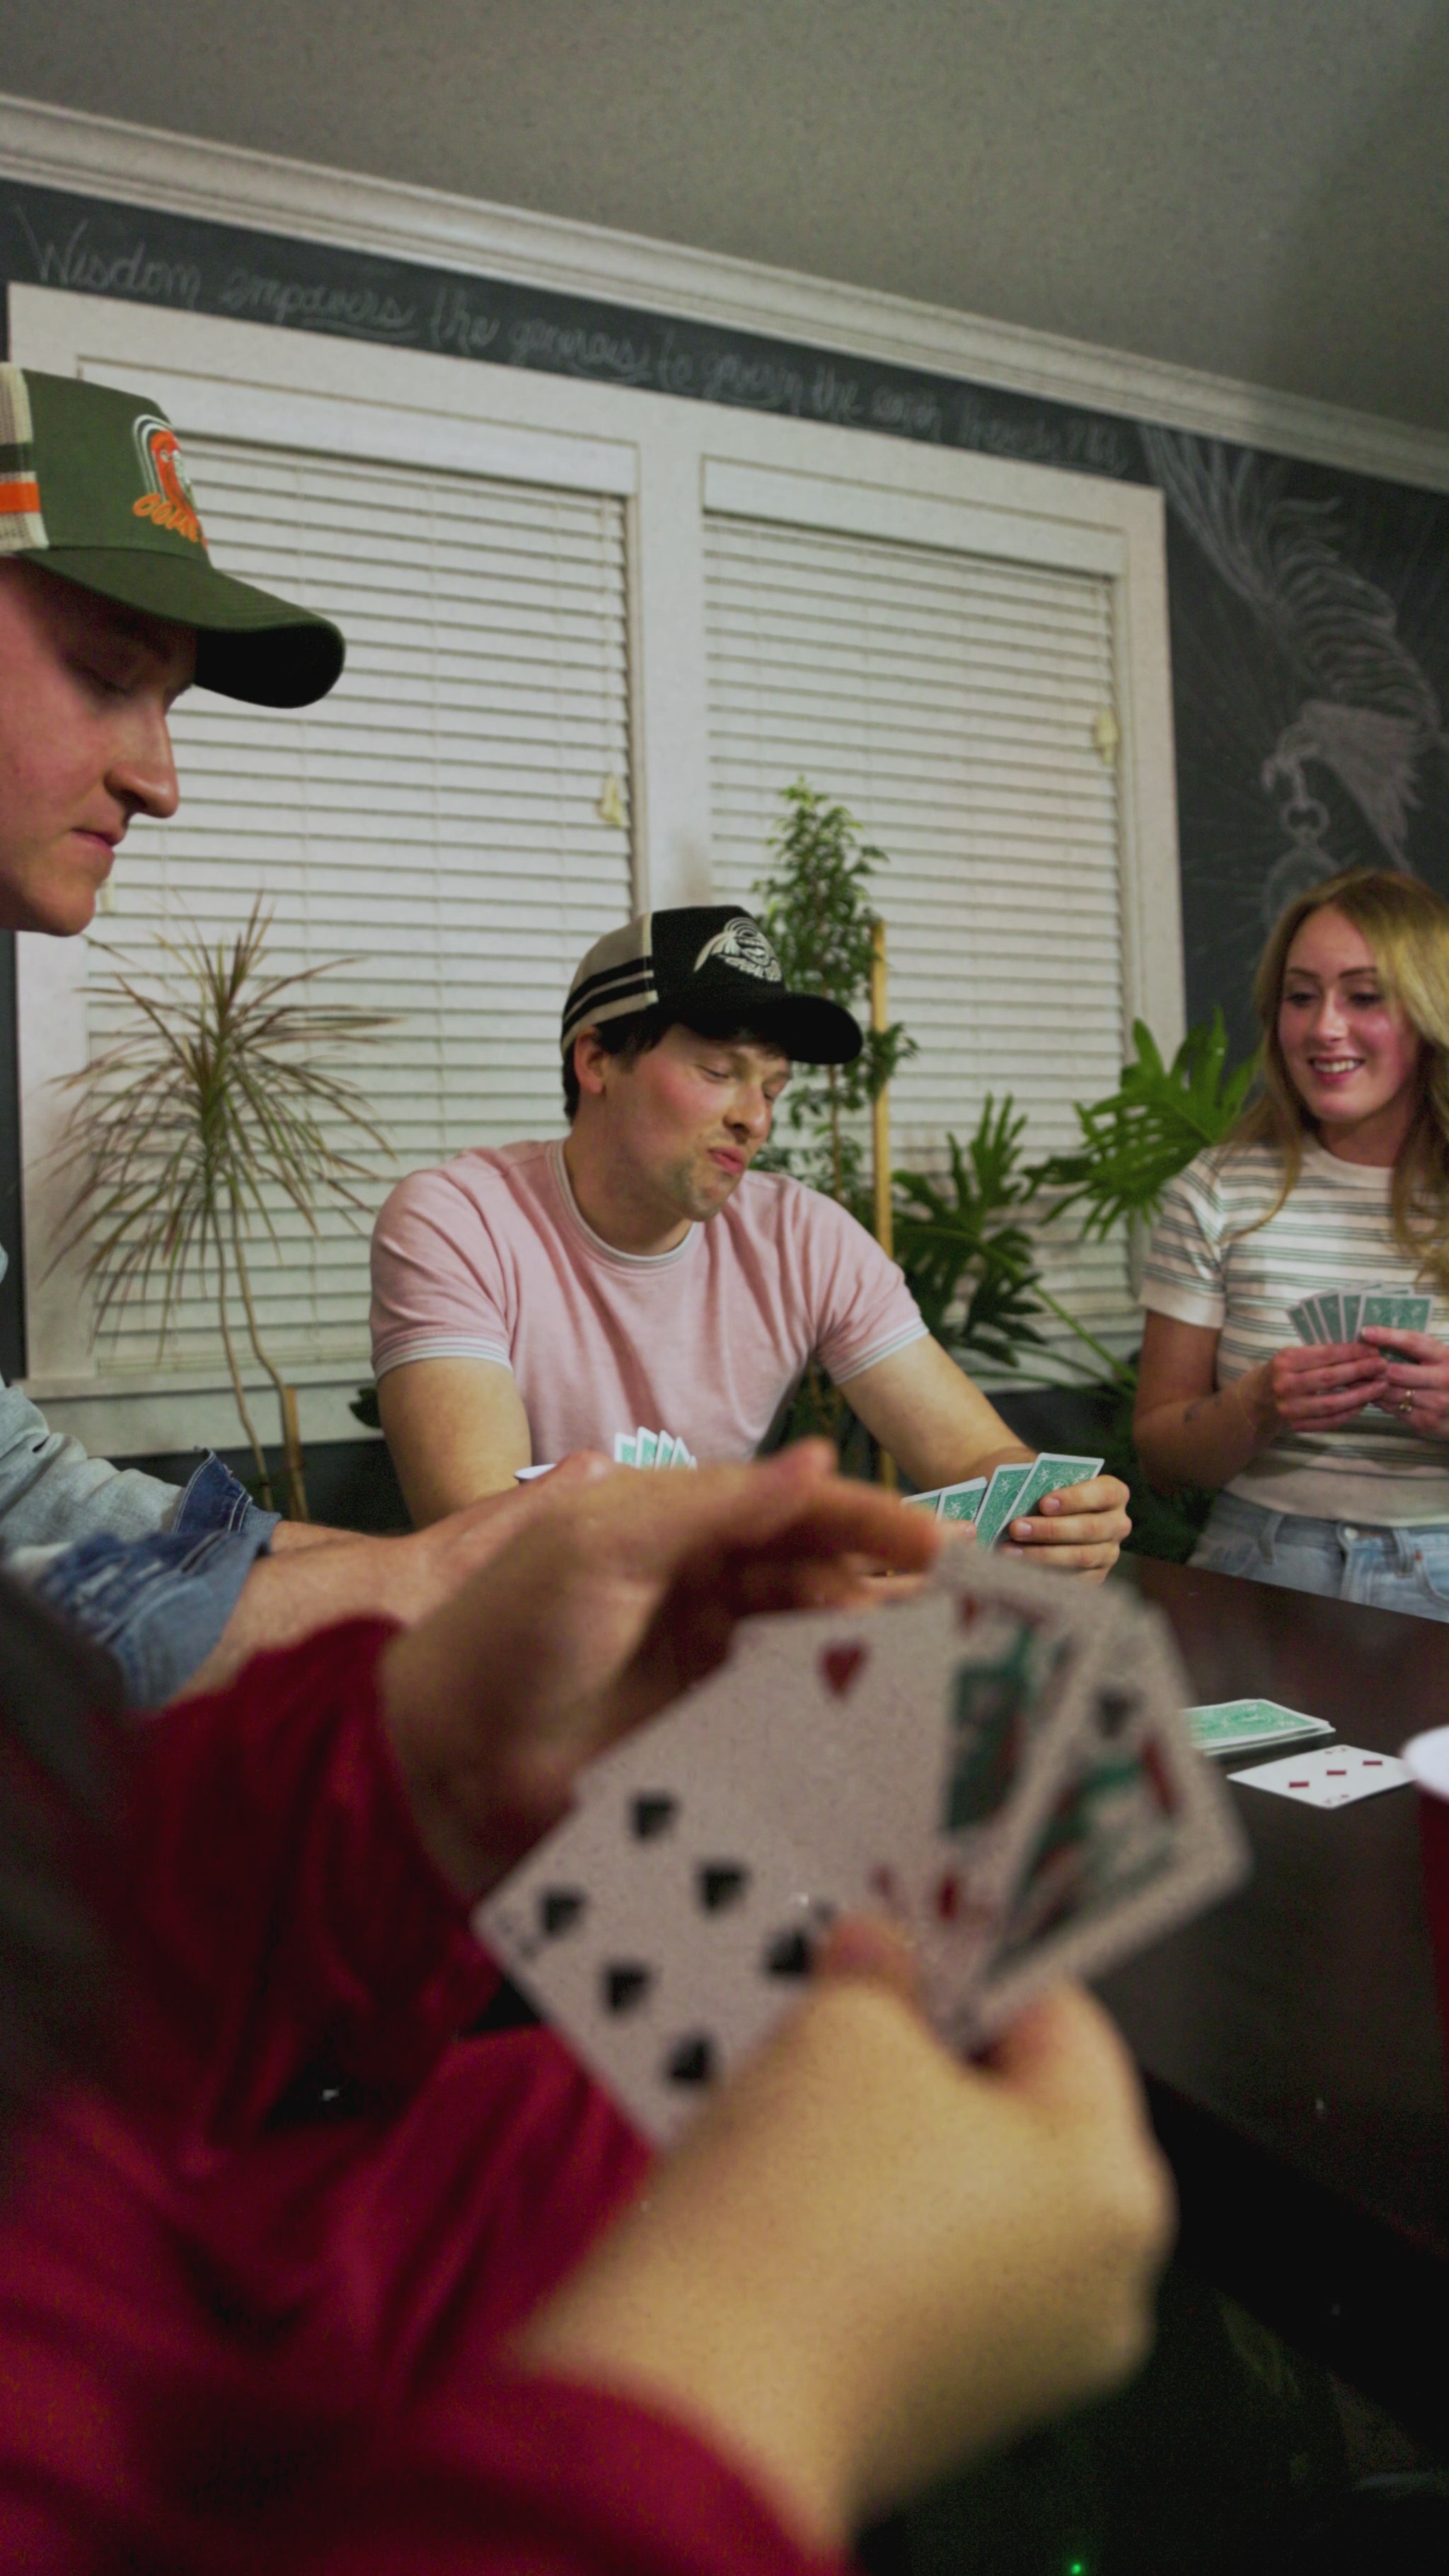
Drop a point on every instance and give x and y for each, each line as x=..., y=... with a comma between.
x=815, y=904
x=965, y=1251
x=202, y=1115
x=1149, y=1129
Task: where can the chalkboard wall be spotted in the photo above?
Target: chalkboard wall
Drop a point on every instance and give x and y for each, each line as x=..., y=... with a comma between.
x=1310, y=639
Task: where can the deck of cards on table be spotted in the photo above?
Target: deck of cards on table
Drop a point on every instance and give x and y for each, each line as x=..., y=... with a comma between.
x=1248, y=1725
x=1339, y=1314
x=1010, y=1494
x=1000, y=1763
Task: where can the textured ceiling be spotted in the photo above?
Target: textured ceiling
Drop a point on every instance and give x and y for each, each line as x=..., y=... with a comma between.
x=1257, y=187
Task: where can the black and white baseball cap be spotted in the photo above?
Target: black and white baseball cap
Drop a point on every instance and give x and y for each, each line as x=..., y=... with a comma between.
x=710, y=966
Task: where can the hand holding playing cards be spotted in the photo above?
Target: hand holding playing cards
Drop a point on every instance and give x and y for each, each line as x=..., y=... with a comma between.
x=1079, y=1530
x=868, y=2261
x=608, y=1604
x=1416, y=1371
x=1300, y=1389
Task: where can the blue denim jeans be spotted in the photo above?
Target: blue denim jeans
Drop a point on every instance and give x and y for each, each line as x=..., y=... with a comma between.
x=1392, y=1569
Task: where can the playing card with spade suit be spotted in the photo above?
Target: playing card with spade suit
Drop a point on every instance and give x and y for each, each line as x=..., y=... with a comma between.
x=1000, y=1762
x=662, y=1928
x=897, y=1747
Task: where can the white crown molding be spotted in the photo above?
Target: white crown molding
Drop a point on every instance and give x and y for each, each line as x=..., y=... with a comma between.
x=139, y=165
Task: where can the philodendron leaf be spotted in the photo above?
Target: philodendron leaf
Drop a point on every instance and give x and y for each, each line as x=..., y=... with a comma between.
x=1157, y=1120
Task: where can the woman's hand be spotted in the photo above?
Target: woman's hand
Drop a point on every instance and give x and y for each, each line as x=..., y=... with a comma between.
x=867, y=2262
x=1312, y=1389
x=1416, y=1378
x=1080, y=1531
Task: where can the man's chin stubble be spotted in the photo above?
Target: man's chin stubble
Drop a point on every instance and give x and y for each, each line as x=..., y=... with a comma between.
x=700, y=1199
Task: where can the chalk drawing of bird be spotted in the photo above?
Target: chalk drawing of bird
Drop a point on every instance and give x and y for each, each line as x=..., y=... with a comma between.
x=1370, y=712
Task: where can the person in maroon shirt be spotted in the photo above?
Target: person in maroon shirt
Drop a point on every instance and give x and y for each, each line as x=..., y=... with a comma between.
x=297, y=2273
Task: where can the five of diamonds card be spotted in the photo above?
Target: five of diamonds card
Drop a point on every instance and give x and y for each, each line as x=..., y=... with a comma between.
x=1000, y=1763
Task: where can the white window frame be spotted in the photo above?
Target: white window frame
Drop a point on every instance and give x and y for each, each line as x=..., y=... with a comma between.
x=671, y=461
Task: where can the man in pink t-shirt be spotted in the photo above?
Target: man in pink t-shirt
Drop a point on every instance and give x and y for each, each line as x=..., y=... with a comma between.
x=540, y=1298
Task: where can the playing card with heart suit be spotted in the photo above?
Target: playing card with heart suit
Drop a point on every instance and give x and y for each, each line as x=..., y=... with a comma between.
x=1136, y=1835
x=1027, y=1657
x=662, y=1928
x=994, y=1761
x=897, y=1747
x=1002, y=1679
x=830, y=1719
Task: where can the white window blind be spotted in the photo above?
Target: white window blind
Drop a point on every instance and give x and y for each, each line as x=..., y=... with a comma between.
x=954, y=702
x=452, y=820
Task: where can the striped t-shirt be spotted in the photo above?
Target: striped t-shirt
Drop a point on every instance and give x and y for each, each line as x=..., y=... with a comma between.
x=1334, y=1230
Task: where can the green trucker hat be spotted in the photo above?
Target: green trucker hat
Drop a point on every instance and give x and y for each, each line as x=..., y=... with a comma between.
x=93, y=487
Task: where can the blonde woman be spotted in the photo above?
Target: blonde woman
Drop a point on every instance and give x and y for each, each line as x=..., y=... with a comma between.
x=1331, y=1464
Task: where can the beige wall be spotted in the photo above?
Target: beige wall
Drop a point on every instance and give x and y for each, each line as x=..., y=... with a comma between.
x=1262, y=192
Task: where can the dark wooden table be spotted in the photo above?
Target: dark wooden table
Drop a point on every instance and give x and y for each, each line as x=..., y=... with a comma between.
x=1290, y=2039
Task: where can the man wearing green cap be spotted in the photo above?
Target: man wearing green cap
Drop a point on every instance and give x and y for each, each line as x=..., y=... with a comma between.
x=109, y=607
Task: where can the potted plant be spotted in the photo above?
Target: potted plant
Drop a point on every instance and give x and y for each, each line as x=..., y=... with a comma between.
x=215, y=1106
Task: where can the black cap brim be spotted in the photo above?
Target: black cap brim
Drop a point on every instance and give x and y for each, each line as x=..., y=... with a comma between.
x=804, y=1026
x=249, y=645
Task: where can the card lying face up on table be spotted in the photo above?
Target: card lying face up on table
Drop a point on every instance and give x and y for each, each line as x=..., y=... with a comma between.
x=1001, y=1764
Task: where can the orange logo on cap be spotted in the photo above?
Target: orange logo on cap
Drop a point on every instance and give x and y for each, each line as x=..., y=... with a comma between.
x=170, y=501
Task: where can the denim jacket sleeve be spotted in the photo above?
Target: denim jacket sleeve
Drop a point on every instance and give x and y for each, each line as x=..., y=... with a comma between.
x=151, y=1571
x=51, y=1492
x=159, y=1603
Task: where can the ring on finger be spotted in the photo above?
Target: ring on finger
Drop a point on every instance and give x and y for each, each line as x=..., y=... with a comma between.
x=1405, y=1407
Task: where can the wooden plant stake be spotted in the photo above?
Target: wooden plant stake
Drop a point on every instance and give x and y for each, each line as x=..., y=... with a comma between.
x=880, y=1119
x=292, y=1445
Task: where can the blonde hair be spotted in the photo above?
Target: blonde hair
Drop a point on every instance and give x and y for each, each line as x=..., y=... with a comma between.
x=1406, y=926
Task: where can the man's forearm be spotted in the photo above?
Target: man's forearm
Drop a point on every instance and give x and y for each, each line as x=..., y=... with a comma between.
x=288, y=1595
x=315, y=1578
x=935, y=1423
x=290, y=1535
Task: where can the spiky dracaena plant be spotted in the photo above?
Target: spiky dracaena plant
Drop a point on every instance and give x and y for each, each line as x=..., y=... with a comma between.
x=193, y=1124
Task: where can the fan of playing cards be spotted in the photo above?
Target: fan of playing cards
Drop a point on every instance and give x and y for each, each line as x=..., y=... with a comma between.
x=1339, y=1314
x=643, y=1448
x=1013, y=1491
x=1000, y=1763
x=639, y=1448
